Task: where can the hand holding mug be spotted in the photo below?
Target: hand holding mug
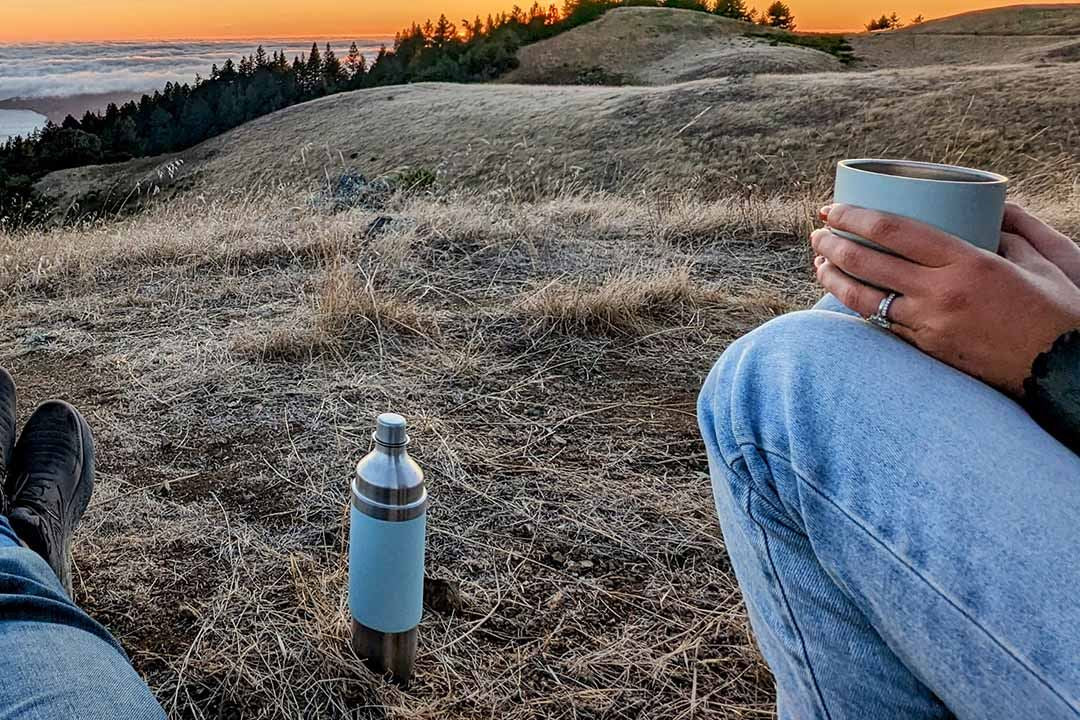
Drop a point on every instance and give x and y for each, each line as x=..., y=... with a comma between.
x=988, y=315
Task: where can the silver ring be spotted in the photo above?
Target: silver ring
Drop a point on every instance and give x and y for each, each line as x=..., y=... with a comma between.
x=881, y=317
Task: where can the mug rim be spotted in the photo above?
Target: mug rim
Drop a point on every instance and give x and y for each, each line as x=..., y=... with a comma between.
x=986, y=176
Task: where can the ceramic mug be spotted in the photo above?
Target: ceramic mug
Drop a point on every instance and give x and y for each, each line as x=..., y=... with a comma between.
x=964, y=202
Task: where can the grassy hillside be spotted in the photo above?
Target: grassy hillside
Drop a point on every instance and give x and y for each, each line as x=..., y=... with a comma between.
x=1050, y=19
x=658, y=46
x=712, y=137
x=1010, y=35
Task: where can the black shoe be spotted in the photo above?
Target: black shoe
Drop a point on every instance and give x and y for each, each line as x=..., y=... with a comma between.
x=50, y=482
x=7, y=431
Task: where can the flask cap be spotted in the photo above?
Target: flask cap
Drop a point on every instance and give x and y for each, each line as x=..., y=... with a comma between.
x=390, y=430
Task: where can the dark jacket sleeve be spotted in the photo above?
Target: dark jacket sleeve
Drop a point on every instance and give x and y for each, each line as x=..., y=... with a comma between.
x=1052, y=393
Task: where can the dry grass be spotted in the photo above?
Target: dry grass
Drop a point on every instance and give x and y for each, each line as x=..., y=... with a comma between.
x=1046, y=19
x=629, y=302
x=751, y=136
x=231, y=377
x=349, y=305
x=659, y=46
x=1002, y=36
x=231, y=358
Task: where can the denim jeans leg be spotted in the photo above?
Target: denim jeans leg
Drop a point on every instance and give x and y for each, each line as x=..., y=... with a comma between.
x=904, y=535
x=57, y=662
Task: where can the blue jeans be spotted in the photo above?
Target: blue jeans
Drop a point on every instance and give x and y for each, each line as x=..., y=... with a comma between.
x=55, y=661
x=906, y=538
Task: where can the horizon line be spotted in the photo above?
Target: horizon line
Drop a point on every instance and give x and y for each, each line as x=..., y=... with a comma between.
x=218, y=38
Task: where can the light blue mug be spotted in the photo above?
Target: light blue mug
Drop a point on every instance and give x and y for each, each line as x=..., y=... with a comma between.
x=964, y=202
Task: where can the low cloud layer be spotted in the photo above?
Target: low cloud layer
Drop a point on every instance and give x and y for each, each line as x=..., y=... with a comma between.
x=62, y=69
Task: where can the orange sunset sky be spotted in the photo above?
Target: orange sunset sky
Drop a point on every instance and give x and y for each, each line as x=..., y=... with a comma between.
x=50, y=20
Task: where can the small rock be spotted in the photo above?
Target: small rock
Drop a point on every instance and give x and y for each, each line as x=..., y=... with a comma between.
x=558, y=557
x=558, y=440
x=443, y=596
x=378, y=225
x=585, y=564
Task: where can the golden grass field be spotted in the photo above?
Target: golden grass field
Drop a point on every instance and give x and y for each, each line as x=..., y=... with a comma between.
x=544, y=315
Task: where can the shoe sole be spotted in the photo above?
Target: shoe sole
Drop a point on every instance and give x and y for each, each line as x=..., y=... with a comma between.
x=84, y=489
x=7, y=434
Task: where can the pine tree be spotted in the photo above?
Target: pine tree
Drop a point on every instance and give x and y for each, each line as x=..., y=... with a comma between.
x=312, y=78
x=355, y=65
x=228, y=71
x=778, y=15
x=698, y=5
x=260, y=58
x=890, y=22
x=333, y=76
x=735, y=9
x=443, y=33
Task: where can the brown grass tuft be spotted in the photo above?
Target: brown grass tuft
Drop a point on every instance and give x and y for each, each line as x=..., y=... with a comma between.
x=350, y=305
x=298, y=341
x=628, y=302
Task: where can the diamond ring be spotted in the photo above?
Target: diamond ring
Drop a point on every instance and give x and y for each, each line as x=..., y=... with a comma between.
x=881, y=317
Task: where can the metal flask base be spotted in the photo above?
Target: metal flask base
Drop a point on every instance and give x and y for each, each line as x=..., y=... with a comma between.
x=382, y=652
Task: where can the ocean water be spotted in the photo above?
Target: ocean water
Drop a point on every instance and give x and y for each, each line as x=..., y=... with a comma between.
x=19, y=122
x=60, y=69
x=37, y=70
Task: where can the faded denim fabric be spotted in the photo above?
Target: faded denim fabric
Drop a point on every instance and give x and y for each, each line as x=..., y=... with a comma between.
x=55, y=661
x=906, y=538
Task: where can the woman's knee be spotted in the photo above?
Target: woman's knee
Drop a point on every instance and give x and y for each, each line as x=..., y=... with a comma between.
x=767, y=375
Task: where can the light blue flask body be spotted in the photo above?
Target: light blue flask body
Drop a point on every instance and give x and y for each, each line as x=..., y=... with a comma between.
x=386, y=571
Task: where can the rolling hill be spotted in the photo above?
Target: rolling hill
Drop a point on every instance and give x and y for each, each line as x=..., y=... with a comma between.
x=777, y=133
x=1000, y=36
x=1049, y=19
x=658, y=46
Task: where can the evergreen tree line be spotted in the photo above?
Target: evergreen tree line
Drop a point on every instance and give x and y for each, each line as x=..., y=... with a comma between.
x=184, y=114
x=890, y=22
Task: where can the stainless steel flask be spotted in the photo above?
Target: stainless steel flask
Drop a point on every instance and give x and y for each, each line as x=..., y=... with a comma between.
x=387, y=528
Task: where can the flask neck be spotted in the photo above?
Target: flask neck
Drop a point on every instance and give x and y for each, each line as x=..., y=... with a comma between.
x=395, y=449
